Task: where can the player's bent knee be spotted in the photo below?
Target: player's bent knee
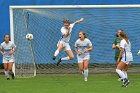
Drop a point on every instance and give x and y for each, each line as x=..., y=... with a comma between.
x=120, y=66
x=10, y=69
x=72, y=57
x=6, y=69
x=81, y=69
x=86, y=68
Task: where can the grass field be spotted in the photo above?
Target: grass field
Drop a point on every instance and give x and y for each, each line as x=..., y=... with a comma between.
x=70, y=83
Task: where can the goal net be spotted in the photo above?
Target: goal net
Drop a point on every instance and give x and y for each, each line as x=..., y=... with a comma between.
x=44, y=22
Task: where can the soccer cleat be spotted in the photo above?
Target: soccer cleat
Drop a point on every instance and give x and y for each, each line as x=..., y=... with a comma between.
x=58, y=62
x=125, y=83
x=86, y=79
x=54, y=57
x=8, y=78
x=13, y=77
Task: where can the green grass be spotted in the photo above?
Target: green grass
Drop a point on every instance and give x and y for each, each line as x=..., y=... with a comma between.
x=97, y=83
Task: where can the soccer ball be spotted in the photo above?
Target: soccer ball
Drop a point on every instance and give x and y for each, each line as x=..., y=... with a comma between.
x=29, y=36
x=138, y=52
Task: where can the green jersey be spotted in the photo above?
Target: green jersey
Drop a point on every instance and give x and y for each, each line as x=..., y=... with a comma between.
x=117, y=42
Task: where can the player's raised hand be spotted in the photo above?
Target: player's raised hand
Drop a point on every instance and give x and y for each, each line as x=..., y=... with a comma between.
x=78, y=21
x=81, y=19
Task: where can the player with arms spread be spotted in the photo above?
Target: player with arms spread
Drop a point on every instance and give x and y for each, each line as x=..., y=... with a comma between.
x=64, y=40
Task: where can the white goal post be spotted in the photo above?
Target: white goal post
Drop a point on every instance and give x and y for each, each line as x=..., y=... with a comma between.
x=11, y=9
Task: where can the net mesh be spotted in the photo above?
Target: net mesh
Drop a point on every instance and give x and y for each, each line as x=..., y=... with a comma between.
x=100, y=24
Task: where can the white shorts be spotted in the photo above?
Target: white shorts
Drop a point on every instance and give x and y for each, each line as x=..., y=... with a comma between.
x=127, y=62
x=65, y=45
x=8, y=60
x=127, y=59
x=81, y=58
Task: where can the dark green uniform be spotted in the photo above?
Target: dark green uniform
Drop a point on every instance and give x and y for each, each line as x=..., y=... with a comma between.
x=117, y=50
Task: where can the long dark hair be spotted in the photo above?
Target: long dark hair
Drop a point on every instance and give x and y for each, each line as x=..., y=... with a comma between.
x=119, y=30
x=5, y=36
x=83, y=34
x=123, y=35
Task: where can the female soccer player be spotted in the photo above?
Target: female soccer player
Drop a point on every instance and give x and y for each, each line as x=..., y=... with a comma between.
x=82, y=47
x=116, y=46
x=7, y=49
x=127, y=57
x=64, y=41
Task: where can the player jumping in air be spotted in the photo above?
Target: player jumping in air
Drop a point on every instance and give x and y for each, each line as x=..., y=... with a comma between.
x=127, y=57
x=7, y=49
x=82, y=47
x=63, y=43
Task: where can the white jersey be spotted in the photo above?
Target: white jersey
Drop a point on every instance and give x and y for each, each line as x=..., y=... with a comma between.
x=127, y=54
x=6, y=48
x=63, y=31
x=82, y=45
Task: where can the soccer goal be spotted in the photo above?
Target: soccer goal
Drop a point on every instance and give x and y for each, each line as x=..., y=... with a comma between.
x=44, y=22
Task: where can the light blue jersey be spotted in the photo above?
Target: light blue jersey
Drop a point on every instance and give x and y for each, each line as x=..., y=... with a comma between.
x=82, y=45
x=6, y=48
x=63, y=31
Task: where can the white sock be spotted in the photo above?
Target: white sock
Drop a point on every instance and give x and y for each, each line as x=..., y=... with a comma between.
x=56, y=53
x=65, y=58
x=85, y=73
x=125, y=73
x=82, y=72
x=6, y=74
x=121, y=74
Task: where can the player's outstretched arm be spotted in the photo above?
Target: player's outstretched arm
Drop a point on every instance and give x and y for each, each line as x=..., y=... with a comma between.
x=80, y=20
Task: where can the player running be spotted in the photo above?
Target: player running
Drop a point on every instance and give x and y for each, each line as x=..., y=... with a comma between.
x=127, y=57
x=7, y=49
x=116, y=46
x=63, y=43
x=82, y=47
